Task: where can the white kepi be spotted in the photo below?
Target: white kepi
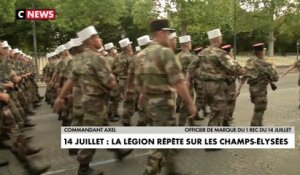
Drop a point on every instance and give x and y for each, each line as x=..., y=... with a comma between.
x=109, y=46
x=144, y=40
x=184, y=39
x=124, y=42
x=214, y=33
x=173, y=35
x=5, y=44
x=86, y=33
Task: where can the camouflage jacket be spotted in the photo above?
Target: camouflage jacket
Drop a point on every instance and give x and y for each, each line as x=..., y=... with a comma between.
x=76, y=70
x=95, y=73
x=158, y=69
x=121, y=64
x=212, y=64
x=185, y=59
x=110, y=60
x=259, y=71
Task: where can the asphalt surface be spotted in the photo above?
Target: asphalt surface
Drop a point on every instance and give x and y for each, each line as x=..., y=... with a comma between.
x=282, y=111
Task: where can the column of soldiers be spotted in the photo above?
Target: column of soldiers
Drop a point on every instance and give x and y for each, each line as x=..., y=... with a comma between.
x=18, y=96
x=94, y=81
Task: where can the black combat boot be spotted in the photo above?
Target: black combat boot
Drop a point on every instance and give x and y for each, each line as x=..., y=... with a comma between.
x=122, y=153
x=73, y=152
x=3, y=163
x=34, y=170
x=113, y=117
x=29, y=109
x=21, y=153
x=84, y=169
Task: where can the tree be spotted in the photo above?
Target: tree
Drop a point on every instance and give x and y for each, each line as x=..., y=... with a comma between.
x=7, y=9
x=268, y=16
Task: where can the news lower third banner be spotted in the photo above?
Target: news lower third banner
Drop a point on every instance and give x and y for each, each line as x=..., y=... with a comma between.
x=178, y=137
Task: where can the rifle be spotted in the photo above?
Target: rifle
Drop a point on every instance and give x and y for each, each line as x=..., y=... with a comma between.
x=267, y=77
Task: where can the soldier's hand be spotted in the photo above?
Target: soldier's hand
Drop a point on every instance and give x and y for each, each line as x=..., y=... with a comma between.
x=58, y=104
x=4, y=97
x=193, y=110
x=9, y=85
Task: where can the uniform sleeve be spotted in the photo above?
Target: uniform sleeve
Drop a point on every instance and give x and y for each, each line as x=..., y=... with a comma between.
x=193, y=66
x=173, y=67
x=226, y=61
x=131, y=66
x=103, y=71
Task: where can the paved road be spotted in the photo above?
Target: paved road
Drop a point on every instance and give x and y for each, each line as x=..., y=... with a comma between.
x=282, y=110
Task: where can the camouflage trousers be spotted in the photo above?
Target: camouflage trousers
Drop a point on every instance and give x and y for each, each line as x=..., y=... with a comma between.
x=129, y=108
x=184, y=113
x=77, y=111
x=16, y=109
x=200, y=97
x=230, y=93
x=94, y=114
x=258, y=94
x=160, y=109
x=114, y=100
x=215, y=97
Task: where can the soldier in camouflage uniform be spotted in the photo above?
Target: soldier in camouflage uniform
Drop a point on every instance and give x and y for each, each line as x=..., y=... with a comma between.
x=200, y=97
x=186, y=57
x=114, y=94
x=231, y=88
x=295, y=65
x=96, y=80
x=131, y=91
x=158, y=78
x=210, y=68
x=48, y=71
x=120, y=69
x=259, y=74
x=59, y=77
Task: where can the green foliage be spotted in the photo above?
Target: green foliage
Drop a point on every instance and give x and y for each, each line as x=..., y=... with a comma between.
x=130, y=18
x=7, y=9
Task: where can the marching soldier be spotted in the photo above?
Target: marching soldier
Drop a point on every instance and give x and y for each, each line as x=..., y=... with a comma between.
x=120, y=68
x=113, y=105
x=158, y=78
x=259, y=73
x=200, y=98
x=131, y=91
x=210, y=68
x=96, y=80
x=231, y=88
x=185, y=57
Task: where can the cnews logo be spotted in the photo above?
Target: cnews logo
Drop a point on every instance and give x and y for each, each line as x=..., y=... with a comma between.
x=35, y=14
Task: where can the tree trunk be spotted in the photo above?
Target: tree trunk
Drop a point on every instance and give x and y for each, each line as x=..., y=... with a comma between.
x=271, y=41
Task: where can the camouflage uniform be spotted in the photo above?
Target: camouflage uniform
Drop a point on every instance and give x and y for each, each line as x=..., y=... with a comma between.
x=230, y=92
x=297, y=65
x=158, y=71
x=114, y=94
x=120, y=69
x=210, y=68
x=185, y=58
x=258, y=74
x=77, y=112
x=94, y=77
x=60, y=75
x=135, y=63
